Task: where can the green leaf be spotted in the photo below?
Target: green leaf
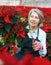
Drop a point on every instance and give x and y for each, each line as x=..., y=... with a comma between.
x=10, y=50
x=49, y=56
x=7, y=27
x=11, y=38
x=14, y=19
x=1, y=18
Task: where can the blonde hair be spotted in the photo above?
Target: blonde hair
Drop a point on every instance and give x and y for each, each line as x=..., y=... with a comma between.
x=39, y=12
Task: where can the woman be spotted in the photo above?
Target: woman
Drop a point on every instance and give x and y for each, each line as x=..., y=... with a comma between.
x=38, y=40
x=35, y=19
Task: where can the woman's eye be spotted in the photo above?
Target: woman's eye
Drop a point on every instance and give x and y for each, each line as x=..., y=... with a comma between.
x=37, y=17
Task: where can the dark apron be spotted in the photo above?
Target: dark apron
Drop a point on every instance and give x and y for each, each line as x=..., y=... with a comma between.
x=26, y=46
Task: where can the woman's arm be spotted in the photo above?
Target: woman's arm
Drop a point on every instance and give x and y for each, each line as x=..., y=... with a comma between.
x=43, y=52
x=40, y=46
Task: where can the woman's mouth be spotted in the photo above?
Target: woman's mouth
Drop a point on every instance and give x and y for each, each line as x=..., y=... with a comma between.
x=33, y=22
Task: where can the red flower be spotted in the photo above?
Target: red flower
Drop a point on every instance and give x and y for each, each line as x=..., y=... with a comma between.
x=4, y=49
x=7, y=10
x=23, y=14
x=39, y=61
x=8, y=59
x=49, y=27
x=21, y=33
x=45, y=27
x=11, y=45
x=16, y=26
x=14, y=49
x=1, y=13
x=17, y=9
x=1, y=49
x=48, y=51
x=6, y=19
x=6, y=35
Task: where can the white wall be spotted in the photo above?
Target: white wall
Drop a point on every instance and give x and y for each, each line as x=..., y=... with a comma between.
x=10, y=2
x=38, y=3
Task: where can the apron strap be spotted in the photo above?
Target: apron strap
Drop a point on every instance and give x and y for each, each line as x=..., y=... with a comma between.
x=37, y=35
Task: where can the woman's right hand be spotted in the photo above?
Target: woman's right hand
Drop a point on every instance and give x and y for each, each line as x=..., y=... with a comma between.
x=36, y=45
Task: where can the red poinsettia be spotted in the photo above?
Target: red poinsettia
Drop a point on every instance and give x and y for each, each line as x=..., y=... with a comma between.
x=17, y=9
x=39, y=61
x=7, y=10
x=49, y=27
x=13, y=47
x=16, y=26
x=6, y=35
x=11, y=44
x=8, y=59
x=21, y=33
x=48, y=51
x=23, y=14
x=1, y=9
x=7, y=20
x=4, y=49
x=45, y=27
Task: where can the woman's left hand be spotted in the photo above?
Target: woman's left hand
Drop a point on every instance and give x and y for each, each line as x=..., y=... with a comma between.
x=36, y=45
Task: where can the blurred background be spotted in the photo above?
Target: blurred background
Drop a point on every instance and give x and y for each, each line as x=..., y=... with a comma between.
x=38, y=3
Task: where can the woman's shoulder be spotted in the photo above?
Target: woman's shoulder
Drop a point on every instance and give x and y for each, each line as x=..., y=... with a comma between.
x=42, y=32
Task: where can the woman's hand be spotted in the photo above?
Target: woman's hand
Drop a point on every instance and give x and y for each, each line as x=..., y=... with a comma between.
x=36, y=45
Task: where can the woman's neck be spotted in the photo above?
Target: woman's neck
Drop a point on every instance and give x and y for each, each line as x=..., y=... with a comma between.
x=32, y=28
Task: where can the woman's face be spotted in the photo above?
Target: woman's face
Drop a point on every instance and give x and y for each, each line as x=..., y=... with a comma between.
x=34, y=19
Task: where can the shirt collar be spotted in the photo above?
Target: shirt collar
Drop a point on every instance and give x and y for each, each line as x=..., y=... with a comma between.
x=27, y=27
